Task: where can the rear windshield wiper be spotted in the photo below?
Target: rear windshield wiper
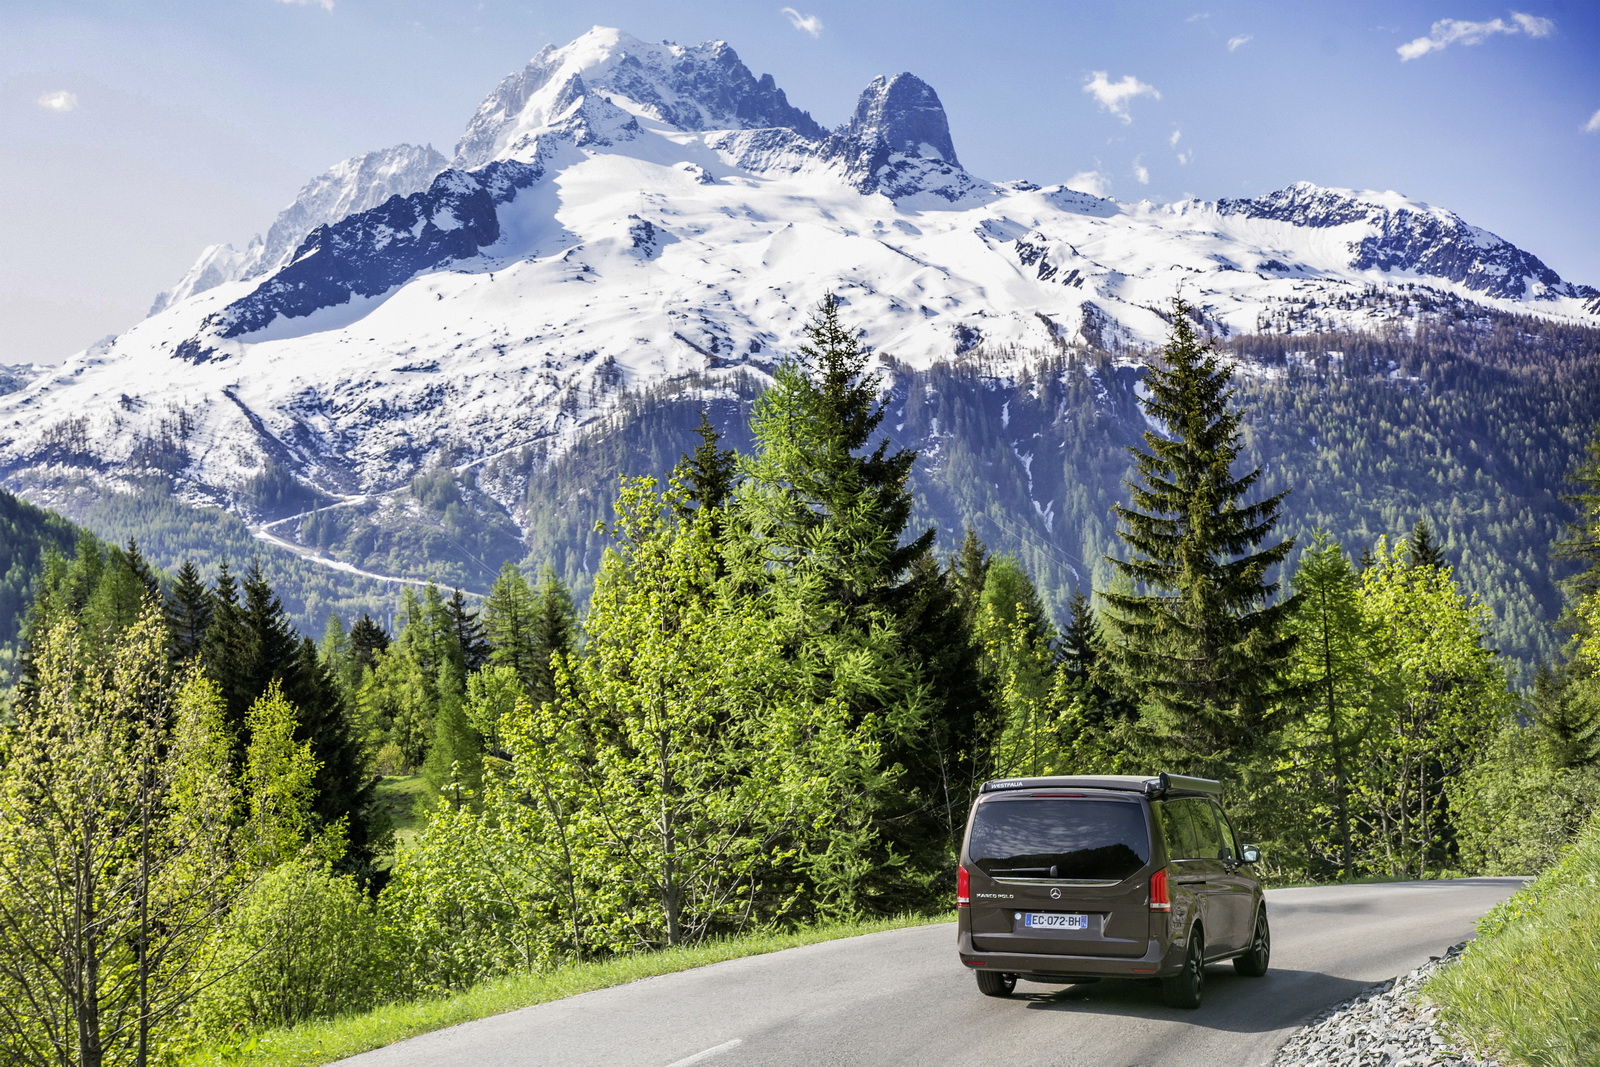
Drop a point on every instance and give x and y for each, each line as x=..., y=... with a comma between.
x=1040, y=872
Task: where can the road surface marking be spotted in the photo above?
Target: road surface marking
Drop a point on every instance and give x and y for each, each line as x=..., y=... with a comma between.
x=701, y=1057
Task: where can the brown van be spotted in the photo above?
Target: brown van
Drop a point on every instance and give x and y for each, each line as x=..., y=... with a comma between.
x=1073, y=879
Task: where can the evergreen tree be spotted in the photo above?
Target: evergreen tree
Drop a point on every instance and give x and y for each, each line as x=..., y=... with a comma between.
x=367, y=640
x=1422, y=550
x=554, y=634
x=508, y=621
x=825, y=508
x=225, y=654
x=140, y=569
x=1332, y=690
x=188, y=612
x=967, y=570
x=708, y=473
x=1199, y=638
x=271, y=643
x=469, y=632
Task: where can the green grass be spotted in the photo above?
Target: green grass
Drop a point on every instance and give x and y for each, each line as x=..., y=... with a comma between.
x=311, y=1044
x=1527, y=990
x=404, y=800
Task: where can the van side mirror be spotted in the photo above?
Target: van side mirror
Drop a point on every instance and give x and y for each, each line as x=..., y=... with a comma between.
x=1252, y=854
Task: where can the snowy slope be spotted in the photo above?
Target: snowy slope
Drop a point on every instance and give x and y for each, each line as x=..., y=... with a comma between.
x=619, y=214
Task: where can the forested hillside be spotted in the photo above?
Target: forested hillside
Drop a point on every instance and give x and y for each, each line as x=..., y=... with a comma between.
x=775, y=709
x=27, y=534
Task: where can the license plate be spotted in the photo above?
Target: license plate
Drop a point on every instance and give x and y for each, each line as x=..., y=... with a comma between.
x=1055, y=920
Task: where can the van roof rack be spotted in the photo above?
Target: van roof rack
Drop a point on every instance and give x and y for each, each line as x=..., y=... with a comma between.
x=1159, y=785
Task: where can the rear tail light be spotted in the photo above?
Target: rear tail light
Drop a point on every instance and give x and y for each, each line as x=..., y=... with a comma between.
x=1159, y=900
x=963, y=888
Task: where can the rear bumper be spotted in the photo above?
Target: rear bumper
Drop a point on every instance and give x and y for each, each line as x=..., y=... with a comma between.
x=1158, y=961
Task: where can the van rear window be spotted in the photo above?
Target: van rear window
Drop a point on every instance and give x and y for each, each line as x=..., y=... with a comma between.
x=1091, y=839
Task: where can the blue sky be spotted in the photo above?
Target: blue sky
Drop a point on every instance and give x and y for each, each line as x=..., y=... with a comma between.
x=133, y=133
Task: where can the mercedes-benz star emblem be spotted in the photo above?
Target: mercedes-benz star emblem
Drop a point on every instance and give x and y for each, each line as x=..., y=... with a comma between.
x=1055, y=894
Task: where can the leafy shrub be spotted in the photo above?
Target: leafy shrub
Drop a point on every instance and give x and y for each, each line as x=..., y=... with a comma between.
x=302, y=944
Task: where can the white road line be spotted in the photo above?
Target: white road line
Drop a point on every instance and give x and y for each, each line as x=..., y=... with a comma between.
x=701, y=1057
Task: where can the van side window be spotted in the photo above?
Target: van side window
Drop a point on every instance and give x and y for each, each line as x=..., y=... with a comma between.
x=1208, y=829
x=1183, y=839
x=1229, y=838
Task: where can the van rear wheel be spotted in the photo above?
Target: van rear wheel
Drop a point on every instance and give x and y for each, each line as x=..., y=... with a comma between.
x=1183, y=989
x=996, y=983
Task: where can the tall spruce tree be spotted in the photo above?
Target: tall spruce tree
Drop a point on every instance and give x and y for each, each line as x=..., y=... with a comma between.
x=469, y=632
x=554, y=632
x=508, y=621
x=1200, y=637
x=708, y=474
x=367, y=641
x=188, y=612
x=1422, y=550
x=826, y=507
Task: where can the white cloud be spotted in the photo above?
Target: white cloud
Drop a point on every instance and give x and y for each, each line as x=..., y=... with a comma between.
x=1114, y=95
x=1183, y=159
x=1235, y=43
x=326, y=5
x=1176, y=135
x=1447, y=32
x=1593, y=125
x=1533, y=25
x=1141, y=173
x=805, y=23
x=1197, y=16
x=1090, y=181
x=60, y=100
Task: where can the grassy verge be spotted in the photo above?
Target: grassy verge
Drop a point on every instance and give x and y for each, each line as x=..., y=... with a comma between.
x=322, y=1042
x=1527, y=990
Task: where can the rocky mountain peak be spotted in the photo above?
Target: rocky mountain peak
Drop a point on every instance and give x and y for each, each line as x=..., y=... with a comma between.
x=694, y=88
x=905, y=115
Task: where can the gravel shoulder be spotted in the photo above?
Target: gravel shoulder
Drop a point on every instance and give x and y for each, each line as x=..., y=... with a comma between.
x=1388, y=1025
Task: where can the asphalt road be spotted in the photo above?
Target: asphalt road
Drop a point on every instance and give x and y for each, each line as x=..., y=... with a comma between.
x=901, y=998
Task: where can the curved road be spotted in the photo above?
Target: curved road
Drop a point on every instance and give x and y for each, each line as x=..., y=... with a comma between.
x=901, y=998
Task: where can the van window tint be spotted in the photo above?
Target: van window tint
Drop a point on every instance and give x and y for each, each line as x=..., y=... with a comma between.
x=1180, y=831
x=1194, y=823
x=1094, y=839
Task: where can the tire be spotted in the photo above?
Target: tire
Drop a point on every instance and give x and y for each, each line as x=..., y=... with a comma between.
x=1253, y=964
x=995, y=983
x=1183, y=989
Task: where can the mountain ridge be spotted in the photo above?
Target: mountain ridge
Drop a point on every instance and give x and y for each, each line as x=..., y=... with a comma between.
x=617, y=216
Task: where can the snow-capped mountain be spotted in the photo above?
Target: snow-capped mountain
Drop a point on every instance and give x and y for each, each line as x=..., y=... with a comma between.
x=620, y=214
x=357, y=184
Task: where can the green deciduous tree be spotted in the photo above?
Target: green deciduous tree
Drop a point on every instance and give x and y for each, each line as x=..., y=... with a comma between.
x=115, y=848
x=1439, y=694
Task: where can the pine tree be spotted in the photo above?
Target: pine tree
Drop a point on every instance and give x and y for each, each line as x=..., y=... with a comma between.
x=469, y=632
x=225, y=654
x=967, y=570
x=508, y=621
x=139, y=567
x=367, y=641
x=822, y=501
x=554, y=634
x=188, y=612
x=1422, y=550
x=825, y=509
x=708, y=474
x=1199, y=638
x=1331, y=688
